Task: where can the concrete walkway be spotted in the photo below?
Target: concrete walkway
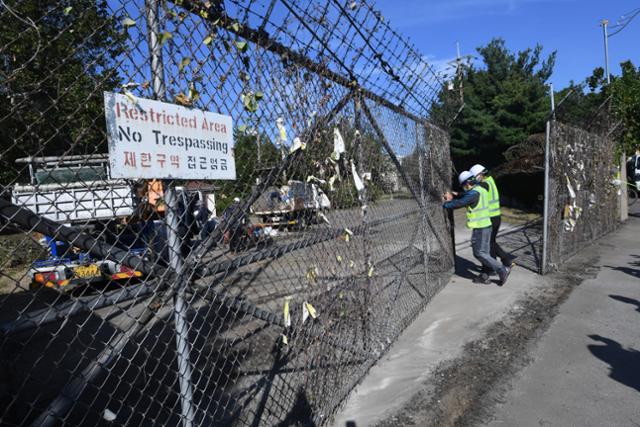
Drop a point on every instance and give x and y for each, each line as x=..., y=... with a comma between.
x=585, y=371
x=586, y=367
x=458, y=314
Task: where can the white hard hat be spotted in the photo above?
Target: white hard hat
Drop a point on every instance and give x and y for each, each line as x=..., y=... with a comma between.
x=477, y=170
x=464, y=177
x=236, y=199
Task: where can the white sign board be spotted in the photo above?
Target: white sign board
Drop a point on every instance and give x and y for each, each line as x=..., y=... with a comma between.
x=152, y=139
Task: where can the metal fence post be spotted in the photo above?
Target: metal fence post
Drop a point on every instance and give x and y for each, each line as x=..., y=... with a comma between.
x=363, y=196
x=545, y=226
x=624, y=201
x=183, y=349
x=422, y=152
x=174, y=241
x=547, y=154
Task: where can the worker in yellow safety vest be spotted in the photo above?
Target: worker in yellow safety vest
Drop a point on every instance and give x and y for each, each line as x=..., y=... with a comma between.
x=482, y=177
x=476, y=200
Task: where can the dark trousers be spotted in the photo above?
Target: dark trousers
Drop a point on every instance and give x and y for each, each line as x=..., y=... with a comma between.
x=496, y=251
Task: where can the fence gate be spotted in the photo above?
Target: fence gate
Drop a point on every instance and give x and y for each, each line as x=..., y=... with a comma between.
x=583, y=189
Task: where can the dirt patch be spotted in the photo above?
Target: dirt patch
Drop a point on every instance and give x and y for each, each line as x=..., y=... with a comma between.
x=517, y=216
x=17, y=253
x=462, y=392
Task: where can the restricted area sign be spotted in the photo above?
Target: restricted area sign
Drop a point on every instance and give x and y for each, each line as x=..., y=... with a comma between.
x=152, y=139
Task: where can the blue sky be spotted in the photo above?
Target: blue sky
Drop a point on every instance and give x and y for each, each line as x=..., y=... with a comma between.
x=569, y=26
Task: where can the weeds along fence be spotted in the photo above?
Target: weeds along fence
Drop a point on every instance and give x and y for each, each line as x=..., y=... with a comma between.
x=583, y=182
x=197, y=298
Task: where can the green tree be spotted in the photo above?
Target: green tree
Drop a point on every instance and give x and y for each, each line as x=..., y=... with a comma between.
x=505, y=102
x=583, y=105
x=590, y=109
x=625, y=92
x=248, y=168
x=56, y=59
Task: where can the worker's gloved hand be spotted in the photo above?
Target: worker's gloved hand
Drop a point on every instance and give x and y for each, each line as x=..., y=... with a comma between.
x=447, y=197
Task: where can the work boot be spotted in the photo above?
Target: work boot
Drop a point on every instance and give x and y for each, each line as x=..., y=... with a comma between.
x=504, y=275
x=490, y=272
x=483, y=279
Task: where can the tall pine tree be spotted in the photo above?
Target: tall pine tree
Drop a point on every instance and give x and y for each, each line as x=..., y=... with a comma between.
x=505, y=102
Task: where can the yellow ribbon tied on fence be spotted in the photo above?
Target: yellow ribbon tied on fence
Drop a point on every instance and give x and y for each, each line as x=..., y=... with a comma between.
x=285, y=312
x=308, y=310
x=312, y=274
x=282, y=130
x=370, y=272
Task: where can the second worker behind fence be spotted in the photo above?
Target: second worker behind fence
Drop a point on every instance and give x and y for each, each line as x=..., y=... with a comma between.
x=489, y=184
x=476, y=200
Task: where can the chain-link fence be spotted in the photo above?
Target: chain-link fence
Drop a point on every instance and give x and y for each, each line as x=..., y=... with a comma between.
x=584, y=180
x=584, y=185
x=259, y=300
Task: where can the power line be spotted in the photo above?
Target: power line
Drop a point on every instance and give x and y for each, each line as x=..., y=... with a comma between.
x=624, y=21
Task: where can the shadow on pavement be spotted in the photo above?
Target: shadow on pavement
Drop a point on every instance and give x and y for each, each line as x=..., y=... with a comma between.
x=631, y=270
x=627, y=300
x=623, y=363
x=465, y=268
x=525, y=243
x=300, y=415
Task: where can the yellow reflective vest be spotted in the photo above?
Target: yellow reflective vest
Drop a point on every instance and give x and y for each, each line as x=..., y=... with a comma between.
x=494, y=197
x=478, y=216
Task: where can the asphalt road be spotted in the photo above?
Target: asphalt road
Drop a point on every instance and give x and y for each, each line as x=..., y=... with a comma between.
x=585, y=370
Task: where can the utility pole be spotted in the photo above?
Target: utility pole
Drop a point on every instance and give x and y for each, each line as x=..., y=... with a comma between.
x=459, y=71
x=459, y=64
x=604, y=24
